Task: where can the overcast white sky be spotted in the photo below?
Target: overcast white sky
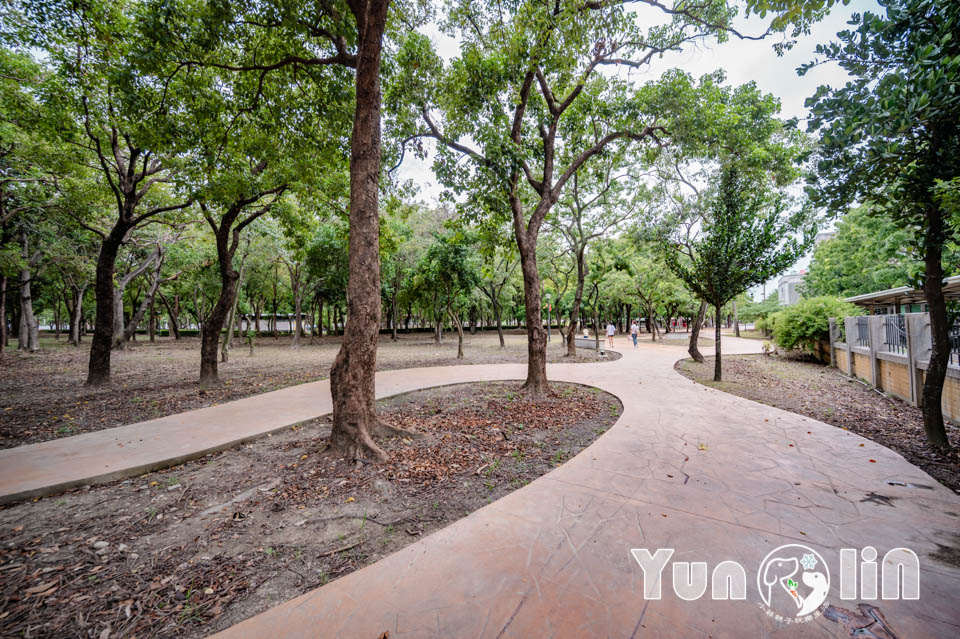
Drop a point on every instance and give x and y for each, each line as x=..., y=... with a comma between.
x=743, y=61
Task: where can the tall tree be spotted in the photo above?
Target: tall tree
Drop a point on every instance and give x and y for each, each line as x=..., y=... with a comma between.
x=526, y=104
x=891, y=136
x=126, y=124
x=748, y=237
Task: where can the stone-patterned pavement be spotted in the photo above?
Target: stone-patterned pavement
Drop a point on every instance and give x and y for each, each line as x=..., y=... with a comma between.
x=711, y=475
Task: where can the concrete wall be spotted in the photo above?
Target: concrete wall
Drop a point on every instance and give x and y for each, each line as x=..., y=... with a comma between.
x=899, y=374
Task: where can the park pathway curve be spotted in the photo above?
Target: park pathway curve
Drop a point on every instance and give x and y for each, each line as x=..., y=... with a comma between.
x=711, y=475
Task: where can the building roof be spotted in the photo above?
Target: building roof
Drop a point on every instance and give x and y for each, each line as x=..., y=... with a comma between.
x=905, y=294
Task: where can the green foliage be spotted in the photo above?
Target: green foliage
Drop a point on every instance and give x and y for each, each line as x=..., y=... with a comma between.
x=748, y=237
x=890, y=135
x=758, y=311
x=807, y=322
x=869, y=253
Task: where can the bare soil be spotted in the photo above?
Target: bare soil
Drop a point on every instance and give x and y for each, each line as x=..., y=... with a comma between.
x=42, y=395
x=191, y=550
x=826, y=394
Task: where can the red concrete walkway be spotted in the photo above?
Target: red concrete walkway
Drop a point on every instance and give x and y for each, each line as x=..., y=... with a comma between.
x=713, y=476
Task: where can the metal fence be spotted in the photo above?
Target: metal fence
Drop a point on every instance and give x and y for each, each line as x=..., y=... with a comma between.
x=955, y=341
x=895, y=333
x=863, y=332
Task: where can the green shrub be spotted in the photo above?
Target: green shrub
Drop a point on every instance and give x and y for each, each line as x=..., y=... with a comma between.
x=808, y=321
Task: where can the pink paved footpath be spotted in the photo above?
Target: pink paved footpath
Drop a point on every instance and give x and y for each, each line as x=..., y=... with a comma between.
x=710, y=475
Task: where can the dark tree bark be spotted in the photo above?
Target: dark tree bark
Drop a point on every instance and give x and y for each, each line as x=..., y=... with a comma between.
x=717, y=374
x=98, y=368
x=227, y=235
x=694, y=328
x=352, y=376
x=536, y=382
x=939, y=332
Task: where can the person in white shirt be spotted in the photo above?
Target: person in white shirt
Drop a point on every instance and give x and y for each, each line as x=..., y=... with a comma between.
x=611, y=331
x=634, y=329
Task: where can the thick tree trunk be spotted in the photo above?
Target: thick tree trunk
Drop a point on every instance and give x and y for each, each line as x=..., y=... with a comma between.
x=939, y=334
x=352, y=376
x=697, y=322
x=98, y=368
x=213, y=325
x=717, y=375
x=536, y=383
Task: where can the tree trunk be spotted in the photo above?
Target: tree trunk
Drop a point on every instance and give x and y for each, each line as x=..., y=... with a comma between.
x=146, y=304
x=697, y=322
x=459, y=326
x=98, y=368
x=736, y=320
x=152, y=323
x=213, y=325
x=56, y=320
x=298, y=319
x=498, y=315
x=29, y=336
x=939, y=334
x=76, y=315
x=395, y=316
x=717, y=376
x=3, y=314
x=577, y=300
x=173, y=313
x=352, y=376
x=536, y=383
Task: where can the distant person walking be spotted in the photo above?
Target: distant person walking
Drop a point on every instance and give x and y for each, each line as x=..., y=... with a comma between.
x=611, y=331
x=634, y=329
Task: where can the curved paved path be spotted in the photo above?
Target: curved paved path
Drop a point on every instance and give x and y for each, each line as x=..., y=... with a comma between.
x=552, y=559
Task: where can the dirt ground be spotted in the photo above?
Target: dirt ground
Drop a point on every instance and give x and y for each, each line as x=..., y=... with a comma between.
x=190, y=550
x=828, y=395
x=42, y=395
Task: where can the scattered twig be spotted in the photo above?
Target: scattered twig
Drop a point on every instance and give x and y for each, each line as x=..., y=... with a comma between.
x=330, y=553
